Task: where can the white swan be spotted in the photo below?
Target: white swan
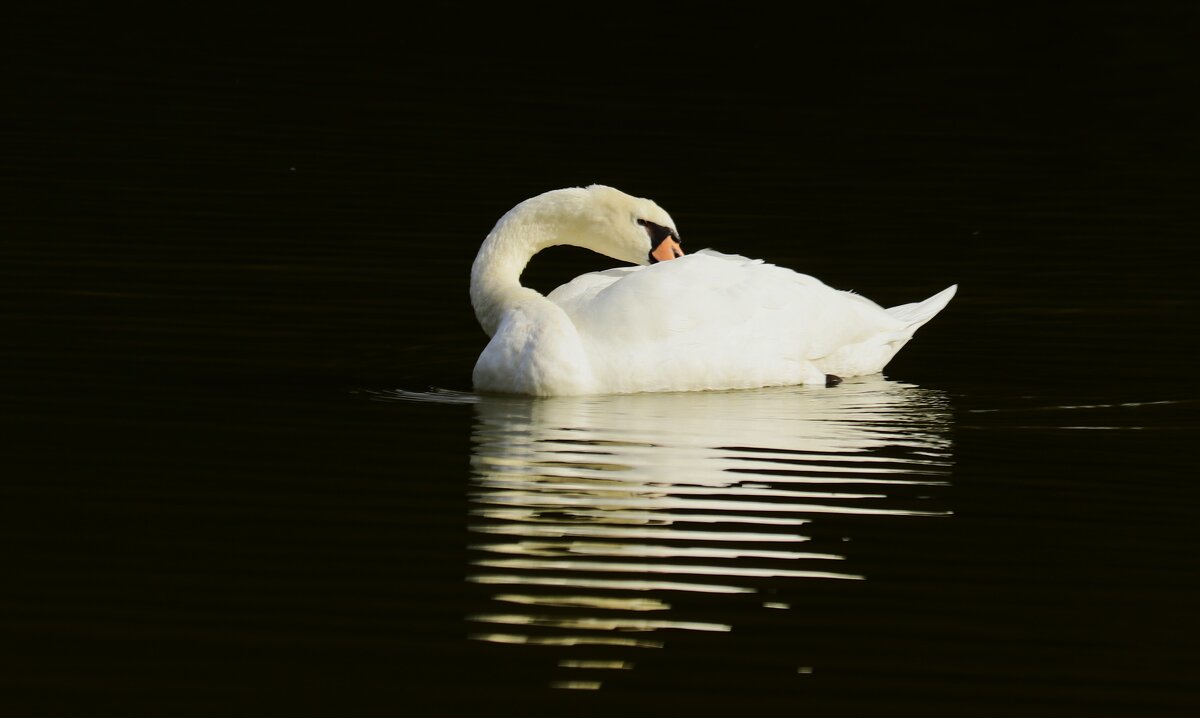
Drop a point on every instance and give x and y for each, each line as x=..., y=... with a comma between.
x=702, y=321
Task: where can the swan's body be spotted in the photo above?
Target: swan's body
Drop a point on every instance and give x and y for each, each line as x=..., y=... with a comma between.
x=702, y=321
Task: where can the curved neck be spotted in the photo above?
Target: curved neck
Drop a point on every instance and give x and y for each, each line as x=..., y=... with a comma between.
x=496, y=274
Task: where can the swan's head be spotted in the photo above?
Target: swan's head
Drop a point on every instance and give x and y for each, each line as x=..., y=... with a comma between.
x=627, y=228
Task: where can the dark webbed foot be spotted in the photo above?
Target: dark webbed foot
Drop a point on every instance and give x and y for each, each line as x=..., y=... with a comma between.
x=831, y=380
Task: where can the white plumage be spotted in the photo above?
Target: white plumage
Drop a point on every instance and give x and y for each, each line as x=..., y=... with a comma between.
x=703, y=321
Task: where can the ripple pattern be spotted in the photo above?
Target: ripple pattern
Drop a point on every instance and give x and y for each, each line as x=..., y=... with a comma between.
x=592, y=518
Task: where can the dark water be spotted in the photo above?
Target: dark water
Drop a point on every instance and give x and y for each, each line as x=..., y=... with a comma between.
x=245, y=472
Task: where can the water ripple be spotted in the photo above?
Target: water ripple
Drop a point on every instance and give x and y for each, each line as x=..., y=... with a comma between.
x=593, y=511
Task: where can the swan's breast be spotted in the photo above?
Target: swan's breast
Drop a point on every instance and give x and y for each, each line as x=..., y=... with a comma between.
x=535, y=350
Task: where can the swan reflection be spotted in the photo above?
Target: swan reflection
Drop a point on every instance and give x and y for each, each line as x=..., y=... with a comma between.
x=591, y=516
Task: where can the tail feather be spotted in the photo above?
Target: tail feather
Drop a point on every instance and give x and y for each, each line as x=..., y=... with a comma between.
x=917, y=313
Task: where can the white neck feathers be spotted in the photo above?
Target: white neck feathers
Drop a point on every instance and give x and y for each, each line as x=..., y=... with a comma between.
x=524, y=231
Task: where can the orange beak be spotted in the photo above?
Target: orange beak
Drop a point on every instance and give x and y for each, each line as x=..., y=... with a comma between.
x=666, y=249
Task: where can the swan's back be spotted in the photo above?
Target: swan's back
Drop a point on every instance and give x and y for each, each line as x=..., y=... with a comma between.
x=717, y=321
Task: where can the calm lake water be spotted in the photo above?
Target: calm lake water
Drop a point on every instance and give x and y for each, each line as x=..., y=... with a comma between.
x=246, y=472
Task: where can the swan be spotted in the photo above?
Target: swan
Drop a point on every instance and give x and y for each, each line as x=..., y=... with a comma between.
x=673, y=322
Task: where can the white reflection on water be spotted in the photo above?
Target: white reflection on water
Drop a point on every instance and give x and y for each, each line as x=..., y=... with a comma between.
x=590, y=513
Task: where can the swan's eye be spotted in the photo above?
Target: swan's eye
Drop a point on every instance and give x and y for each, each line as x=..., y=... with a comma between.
x=658, y=232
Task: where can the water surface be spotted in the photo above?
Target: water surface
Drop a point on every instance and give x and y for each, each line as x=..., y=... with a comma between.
x=593, y=517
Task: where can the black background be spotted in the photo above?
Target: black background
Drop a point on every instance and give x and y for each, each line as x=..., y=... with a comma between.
x=219, y=226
